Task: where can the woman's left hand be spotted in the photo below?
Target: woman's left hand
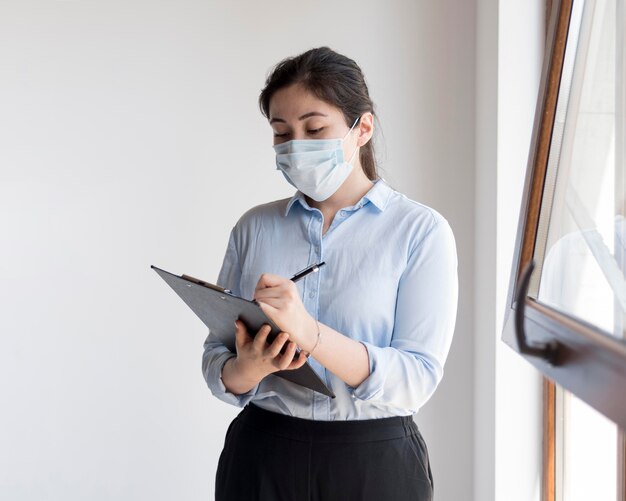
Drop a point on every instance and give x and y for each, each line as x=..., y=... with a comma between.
x=280, y=300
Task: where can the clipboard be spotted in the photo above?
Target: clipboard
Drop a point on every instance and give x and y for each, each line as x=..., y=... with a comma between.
x=218, y=308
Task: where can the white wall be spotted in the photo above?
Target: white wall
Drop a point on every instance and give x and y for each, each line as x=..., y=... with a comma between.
x=508, y=433
x=130, y=136
x=486, y=331
x=443, y=163
x=518, y=385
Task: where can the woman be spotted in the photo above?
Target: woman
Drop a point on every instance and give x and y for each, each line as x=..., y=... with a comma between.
x=375, y=322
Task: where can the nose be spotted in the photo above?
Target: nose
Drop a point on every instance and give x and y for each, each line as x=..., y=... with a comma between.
x=298, y=133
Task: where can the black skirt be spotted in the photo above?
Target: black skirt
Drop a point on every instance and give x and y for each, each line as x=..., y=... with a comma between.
x=273, y=457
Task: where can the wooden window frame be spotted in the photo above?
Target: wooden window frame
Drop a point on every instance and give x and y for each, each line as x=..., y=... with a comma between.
x=587, y=362
x=587, y=359
x=548, y=484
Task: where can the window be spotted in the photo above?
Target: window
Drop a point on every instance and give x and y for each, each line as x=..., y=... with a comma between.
x=566, y=309
x=586, y=452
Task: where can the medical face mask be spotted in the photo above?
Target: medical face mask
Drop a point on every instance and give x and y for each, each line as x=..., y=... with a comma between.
x=315, y=166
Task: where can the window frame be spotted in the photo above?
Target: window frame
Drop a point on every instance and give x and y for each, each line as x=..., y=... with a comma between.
x=589, y=363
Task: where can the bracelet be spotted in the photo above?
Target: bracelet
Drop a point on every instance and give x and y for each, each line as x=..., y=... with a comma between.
x=319, y=339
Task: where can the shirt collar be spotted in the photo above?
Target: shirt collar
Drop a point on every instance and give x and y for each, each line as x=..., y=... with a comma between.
x=378, y=195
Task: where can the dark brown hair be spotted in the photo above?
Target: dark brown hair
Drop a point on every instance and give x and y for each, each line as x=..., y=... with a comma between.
x=333, y=78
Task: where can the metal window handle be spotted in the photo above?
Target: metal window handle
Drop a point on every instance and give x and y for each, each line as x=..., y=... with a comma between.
x=548, y=351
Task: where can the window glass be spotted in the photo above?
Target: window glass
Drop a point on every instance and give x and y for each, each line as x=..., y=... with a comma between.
x=586, y=452
x=582, y=229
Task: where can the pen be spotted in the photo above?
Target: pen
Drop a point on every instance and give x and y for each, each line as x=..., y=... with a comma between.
x=310, y=269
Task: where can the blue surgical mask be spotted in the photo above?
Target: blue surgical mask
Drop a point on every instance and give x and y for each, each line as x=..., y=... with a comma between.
x=315, y=166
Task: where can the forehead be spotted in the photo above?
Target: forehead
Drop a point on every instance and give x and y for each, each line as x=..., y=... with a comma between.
x=291, y=102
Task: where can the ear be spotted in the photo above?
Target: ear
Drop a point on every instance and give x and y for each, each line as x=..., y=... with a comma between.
x=366, y=129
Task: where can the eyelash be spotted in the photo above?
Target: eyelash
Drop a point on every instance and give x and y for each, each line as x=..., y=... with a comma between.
x=310, y=131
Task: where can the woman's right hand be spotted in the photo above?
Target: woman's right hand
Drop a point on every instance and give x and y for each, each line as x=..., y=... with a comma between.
x=256, y=358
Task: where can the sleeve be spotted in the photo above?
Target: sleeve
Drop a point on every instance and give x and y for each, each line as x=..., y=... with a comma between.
x=215, y=353
x=405, y=374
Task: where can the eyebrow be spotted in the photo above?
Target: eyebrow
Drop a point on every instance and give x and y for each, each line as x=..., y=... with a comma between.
x=306, y=115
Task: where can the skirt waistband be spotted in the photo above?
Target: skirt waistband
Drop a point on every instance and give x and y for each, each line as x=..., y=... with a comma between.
x=309, y=430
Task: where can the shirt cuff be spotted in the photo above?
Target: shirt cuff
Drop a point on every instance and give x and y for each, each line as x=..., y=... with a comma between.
x=372, y=387
x=216, y=385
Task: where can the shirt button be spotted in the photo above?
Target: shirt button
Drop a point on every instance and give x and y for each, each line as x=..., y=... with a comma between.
x=342, y=212
x=311, y=294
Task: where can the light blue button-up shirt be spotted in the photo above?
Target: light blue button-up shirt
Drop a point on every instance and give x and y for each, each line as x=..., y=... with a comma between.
x=389, y=282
